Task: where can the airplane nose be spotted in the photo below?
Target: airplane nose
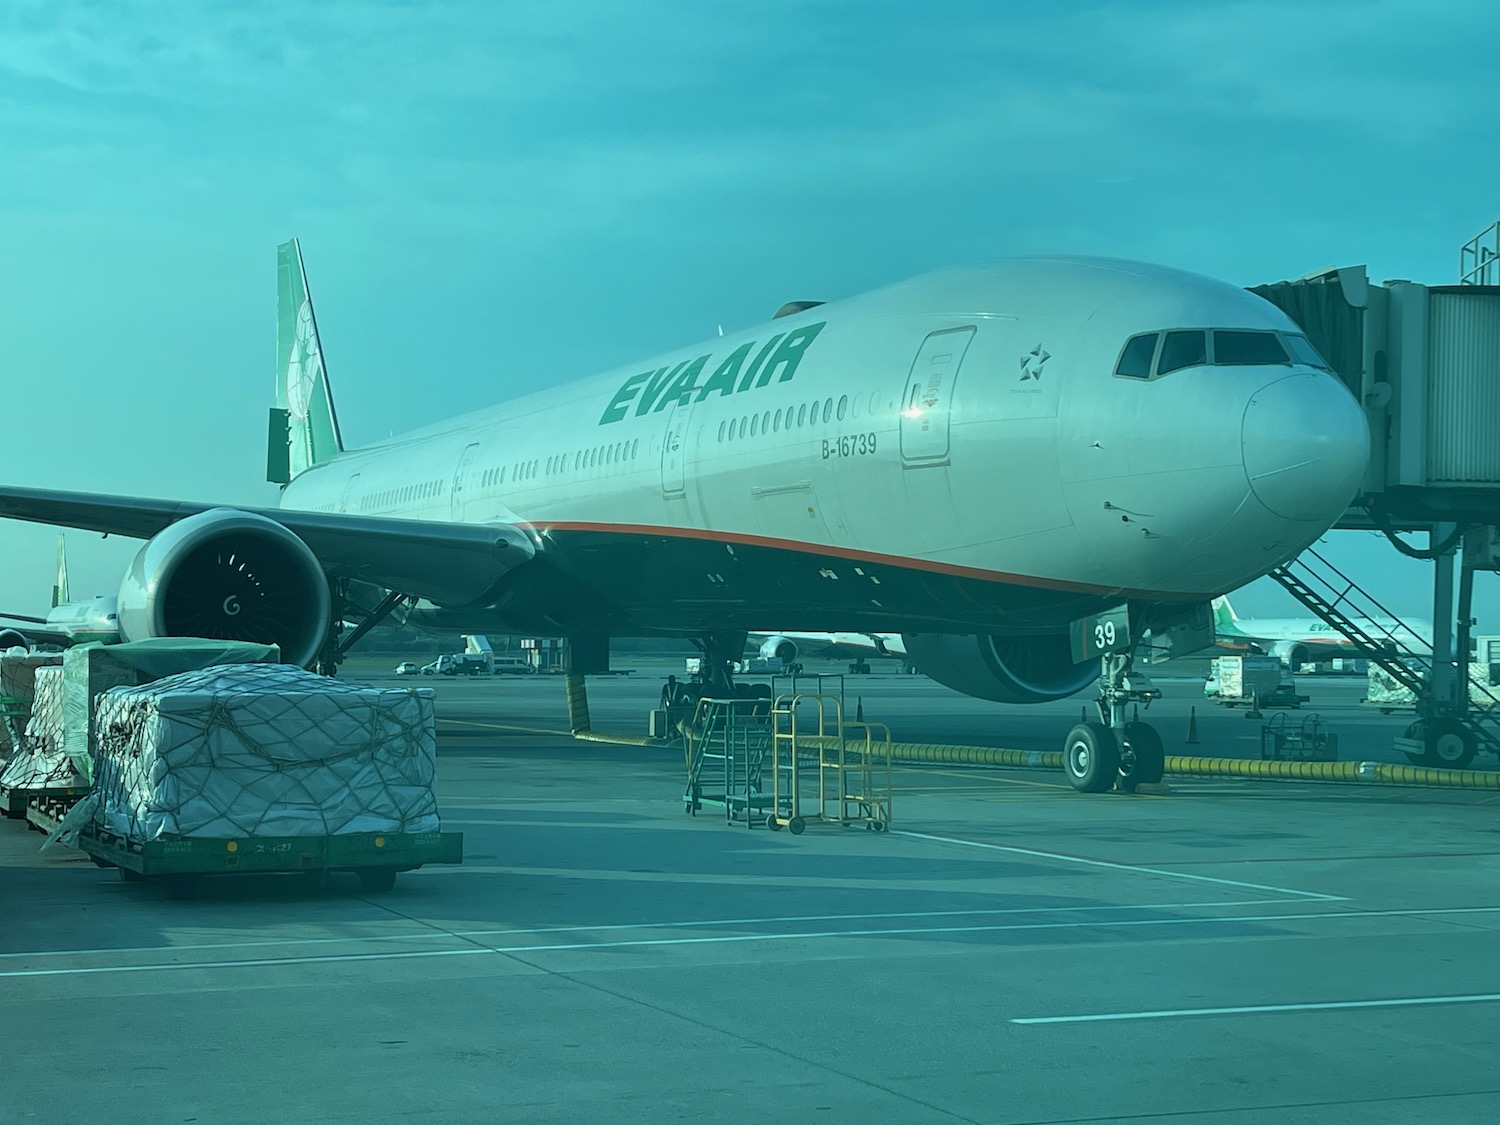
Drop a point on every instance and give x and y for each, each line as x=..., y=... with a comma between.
x=1305, y=446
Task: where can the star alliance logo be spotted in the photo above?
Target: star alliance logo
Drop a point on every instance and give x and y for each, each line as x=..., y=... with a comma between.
x=1032, y=363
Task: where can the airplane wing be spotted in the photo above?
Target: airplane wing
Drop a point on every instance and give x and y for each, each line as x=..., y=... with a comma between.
x=444, y=562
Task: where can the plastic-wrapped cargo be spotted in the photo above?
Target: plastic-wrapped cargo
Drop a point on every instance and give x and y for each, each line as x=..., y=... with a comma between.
x=17, y=682
x=41, y=762
x=264, y=750
x=90, y=670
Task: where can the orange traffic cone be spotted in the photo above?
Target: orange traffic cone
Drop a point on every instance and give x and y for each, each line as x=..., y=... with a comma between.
x=1192, y=738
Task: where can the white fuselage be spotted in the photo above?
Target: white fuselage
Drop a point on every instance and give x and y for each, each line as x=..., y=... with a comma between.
x=955, y=452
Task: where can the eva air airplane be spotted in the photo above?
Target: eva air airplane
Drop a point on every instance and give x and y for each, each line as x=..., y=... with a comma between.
x=1000, y=464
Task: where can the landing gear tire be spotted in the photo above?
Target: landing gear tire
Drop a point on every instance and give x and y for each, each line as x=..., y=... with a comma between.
x=1449, y=745
x=1091, y=757
x=1143, y=760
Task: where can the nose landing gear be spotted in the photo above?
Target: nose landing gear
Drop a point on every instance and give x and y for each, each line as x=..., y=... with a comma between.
x=1114, y=752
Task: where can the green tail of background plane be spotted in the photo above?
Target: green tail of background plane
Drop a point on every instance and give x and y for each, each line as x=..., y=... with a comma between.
x=304, y=425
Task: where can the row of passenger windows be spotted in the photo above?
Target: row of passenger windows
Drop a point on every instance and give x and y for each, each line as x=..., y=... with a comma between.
x=390, y=497
x=1160, y=353
x=787, y=418
x=618, y=453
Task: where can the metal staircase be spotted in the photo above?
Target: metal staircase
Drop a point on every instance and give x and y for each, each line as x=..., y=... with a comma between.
x=1447, y=732
x=728, y=741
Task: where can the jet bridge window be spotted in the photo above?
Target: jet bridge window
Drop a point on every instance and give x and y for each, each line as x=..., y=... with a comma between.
x=1247, y=349
x=1182, y=349
x=1135, y=359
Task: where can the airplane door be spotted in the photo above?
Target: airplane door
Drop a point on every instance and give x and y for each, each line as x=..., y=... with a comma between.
x=927, y=397
x=460, y=480
x=348, y=497
x=674, y=451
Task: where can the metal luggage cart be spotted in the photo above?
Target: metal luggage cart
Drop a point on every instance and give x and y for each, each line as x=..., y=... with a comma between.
x=846, y=763
x=1307, y=742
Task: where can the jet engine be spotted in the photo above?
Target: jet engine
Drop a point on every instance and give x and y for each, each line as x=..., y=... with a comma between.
x=228, y=575
x=1031, y=669
x=10, y=638
x=783, y=649
x=1290, y=653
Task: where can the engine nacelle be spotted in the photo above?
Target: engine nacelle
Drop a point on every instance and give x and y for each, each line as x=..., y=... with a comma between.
x=1291, y=653
x=228, y=575
x=1006, y=669
x=10, y=638
x=779, y=648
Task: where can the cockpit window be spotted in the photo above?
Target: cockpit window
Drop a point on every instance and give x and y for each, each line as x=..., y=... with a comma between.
x=1182, y=349
x=1303, y=352
x=1135, y=360
x=1239, y=349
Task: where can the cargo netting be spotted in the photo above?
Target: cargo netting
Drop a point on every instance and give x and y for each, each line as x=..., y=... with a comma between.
x=264, y=750
x=42, y=762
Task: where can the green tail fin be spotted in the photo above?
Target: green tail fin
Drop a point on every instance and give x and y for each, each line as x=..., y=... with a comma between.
x=304, y=425
x=1226, y=623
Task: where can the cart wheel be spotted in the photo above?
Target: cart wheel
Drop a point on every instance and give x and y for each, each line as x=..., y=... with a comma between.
x=773, y=823
x=796, y=825
x=131, y=876
x=878, y=825
x=375, y=880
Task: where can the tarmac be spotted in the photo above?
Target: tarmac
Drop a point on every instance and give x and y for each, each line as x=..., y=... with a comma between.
x=1011, y=952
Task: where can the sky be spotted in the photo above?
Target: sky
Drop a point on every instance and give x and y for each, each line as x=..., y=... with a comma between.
x=493, y=197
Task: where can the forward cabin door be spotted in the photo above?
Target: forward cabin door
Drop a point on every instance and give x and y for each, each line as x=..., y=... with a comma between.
x=926, y=399
x=460, y=482
x=346, y=501
x=674, y=451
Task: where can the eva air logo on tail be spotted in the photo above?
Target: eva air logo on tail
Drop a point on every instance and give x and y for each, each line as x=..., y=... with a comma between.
x=746, y=368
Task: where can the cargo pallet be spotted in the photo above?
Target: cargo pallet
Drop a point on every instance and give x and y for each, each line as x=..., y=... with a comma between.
x=47, y=807
x=15, y=802
x=376, y=858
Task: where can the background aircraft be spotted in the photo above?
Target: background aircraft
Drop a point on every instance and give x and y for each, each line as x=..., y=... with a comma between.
x=1296, y=641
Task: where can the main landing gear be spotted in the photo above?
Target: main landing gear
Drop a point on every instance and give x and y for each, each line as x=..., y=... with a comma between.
x=715, y=680
x=1114, y=752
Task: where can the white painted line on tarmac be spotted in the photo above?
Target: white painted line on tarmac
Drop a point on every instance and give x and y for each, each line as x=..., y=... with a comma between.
x=432, y=934
x=727, y=939
x=1262, y=1009
x=1061, y=858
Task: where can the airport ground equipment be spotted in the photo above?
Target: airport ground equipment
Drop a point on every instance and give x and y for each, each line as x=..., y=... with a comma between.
x=726, y=743
x=1421, y=360
x=1308, y=741
x=830, y=771
x=1255, y=682
x=377, y=858
x=1458, y=713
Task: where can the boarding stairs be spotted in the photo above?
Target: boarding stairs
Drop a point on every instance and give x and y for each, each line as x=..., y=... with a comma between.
x=1336, y=599
x=728, y=742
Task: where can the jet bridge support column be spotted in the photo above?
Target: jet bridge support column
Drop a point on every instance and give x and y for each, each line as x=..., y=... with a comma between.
x=1443, y=679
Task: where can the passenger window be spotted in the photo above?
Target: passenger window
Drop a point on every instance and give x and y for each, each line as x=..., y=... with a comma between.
x=1182, y=349
x=1247, y=349
x=843, y=406
x=776, y=423
x=754, y=424
x=827, y=410
x=1135, y=360
x=721, y=431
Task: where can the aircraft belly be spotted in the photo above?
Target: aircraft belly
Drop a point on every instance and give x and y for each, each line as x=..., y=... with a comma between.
x=662, y=581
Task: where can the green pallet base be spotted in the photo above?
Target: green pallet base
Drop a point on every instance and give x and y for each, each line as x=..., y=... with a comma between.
x=398, y=851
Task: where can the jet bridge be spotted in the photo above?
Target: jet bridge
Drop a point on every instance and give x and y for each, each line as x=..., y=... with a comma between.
x=1425, y=363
